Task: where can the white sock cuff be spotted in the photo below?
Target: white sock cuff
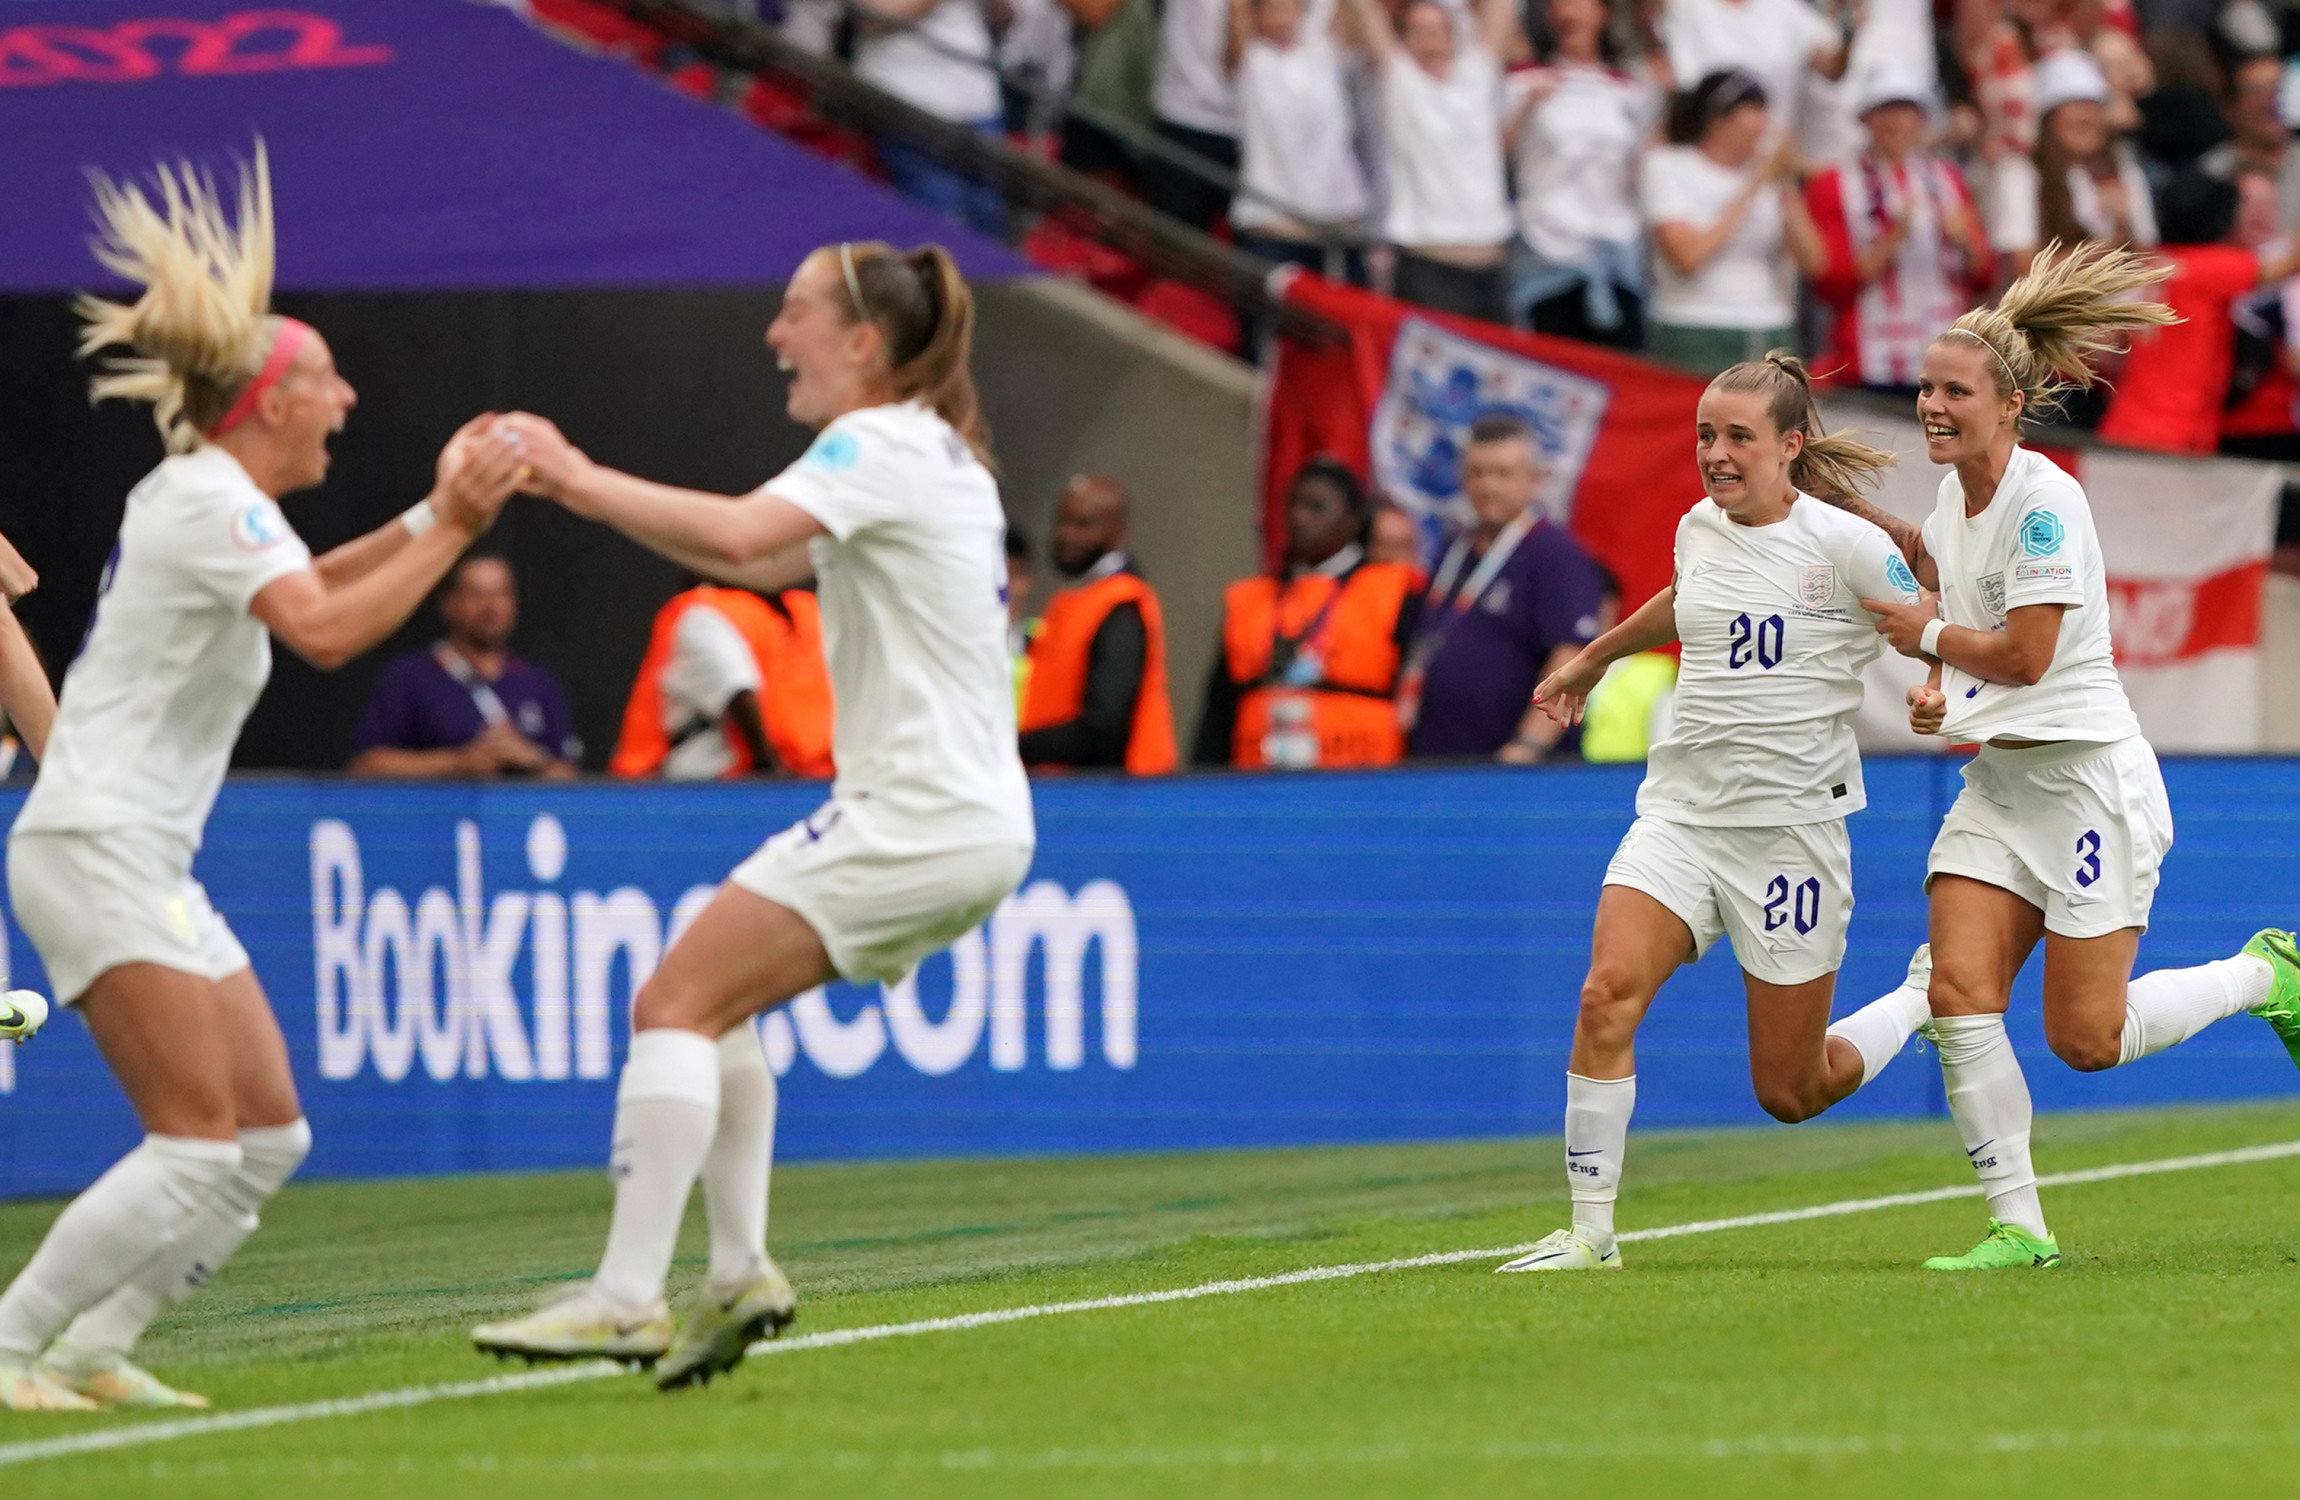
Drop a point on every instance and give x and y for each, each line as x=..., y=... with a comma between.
x=2132, y=1042
x=273, y=1152
x=670, y=1064
x=1960, y=1037
x=190, y=1168
x=740, y=1051
x=1629, y=1083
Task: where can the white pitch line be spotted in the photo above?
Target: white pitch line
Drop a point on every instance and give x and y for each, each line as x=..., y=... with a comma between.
x=141, y=1434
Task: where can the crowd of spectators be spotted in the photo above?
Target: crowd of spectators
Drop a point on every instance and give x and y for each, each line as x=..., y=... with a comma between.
x=1698, y=179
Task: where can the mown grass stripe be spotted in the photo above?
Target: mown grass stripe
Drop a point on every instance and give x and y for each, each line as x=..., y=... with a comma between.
x=165, y=1431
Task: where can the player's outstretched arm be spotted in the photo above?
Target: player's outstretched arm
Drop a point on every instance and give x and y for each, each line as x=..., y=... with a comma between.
x=1564, y=693
x=24, y=691
x=362, y=555
x=327, y=625
x=2018, y=655
x=755, y=540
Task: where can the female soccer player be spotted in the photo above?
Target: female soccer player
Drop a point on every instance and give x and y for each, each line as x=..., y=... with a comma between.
x=1741, y=821
x=929, y=823
x=2063, y=818
x=99, y=862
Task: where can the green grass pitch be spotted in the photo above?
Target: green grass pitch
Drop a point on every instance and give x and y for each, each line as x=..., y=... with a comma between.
x=1803, y=1358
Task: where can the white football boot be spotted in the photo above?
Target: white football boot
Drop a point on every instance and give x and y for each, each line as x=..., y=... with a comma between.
x=578, y=1323
x=722, y=1325
x=1568, y=1250
x=25, y=1387
x=113, y=1380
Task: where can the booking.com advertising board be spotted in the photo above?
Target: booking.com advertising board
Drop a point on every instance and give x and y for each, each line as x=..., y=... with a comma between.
x=1200, y=962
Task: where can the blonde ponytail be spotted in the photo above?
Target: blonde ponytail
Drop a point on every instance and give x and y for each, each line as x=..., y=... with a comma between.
x=2049, y=325
x=1828, y=464
x=202, y=326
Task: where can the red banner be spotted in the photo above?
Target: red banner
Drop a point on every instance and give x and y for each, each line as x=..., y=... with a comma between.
x=1636, y=479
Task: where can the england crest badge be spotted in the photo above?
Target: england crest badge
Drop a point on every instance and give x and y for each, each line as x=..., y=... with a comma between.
x=1816, y=585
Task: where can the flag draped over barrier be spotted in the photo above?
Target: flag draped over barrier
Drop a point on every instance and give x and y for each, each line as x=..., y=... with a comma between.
x=2186, y=540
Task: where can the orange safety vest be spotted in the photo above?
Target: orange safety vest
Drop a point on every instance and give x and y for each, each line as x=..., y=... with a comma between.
x=1352, y=634
x=1058, y=659
x=794, y=693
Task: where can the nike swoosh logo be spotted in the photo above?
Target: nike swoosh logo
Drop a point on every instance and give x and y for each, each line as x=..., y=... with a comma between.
x=1592, y=1151
x=13, y=1019
x=1974, y=691
x=1983, y=1146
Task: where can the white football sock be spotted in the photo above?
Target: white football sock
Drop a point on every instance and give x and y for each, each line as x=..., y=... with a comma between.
x=2165, y=1008
x=269, y=1155
x=741, y=1156
x=1596, y=1139
x=1881, y=1028
x=1988, y=1098
x=666, y=1111
x=102, y=1237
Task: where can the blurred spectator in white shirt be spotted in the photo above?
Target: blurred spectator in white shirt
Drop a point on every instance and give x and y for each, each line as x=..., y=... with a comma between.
x=1729, y=229
x=1448, y=213
x=1775, y=41
x=1194, y=106
x=2081, y=182
x=1577, y=125
x=1906, y=255
x=1299, y=168
x=939, y=58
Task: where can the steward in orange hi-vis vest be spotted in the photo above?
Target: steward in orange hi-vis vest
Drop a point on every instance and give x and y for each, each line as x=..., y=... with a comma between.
x=785, y=635
x=1073, y=686
x=1316, y=658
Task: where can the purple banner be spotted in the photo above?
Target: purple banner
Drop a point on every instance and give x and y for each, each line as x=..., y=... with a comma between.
x=416, y=145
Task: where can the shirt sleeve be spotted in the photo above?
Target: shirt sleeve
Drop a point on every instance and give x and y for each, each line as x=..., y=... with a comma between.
x=1567, y=596
x=2047, y=565
x=849, y=479
x=559, y=736
x=1657, y=189
x=238, y=545
x=713, y=660
x=2014, y=222
x=1873, y=568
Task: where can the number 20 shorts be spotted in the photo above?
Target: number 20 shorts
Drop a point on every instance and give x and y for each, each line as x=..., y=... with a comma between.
x=1783, y=895
x=93, y=901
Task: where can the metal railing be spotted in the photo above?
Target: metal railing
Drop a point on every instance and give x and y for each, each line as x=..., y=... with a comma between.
x=722, y=36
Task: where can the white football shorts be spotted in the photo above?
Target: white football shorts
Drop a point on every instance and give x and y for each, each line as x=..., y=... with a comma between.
x=878, y=911
x=2077, y=831
x=1783, y=895
x=93, y=901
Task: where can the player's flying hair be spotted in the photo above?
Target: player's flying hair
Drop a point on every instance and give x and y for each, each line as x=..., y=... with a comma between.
x=924, y=310
x=2048, y=325
x=202, y=328
x=1829, y=463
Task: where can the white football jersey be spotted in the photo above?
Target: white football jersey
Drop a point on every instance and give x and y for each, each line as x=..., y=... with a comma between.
x=173, y=663
x=1774, y=643
x=2035, y=544
x=912, y=582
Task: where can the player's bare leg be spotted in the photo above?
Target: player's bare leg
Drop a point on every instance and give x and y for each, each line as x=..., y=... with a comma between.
x=744, y=954
x=1636, y=945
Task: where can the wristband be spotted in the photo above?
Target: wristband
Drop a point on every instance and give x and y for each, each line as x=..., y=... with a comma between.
x=1929, y=640
x=419, y=517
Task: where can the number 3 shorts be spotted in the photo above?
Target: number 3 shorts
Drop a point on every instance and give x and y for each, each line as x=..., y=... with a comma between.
x=2077, y=831
x=91, y=902
x=1783, y=895
x=878, y=910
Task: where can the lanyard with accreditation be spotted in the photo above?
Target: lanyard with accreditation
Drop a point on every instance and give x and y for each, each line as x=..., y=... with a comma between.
x=1446, y=607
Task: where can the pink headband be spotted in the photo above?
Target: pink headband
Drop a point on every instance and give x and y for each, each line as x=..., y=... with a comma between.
x=284, y=349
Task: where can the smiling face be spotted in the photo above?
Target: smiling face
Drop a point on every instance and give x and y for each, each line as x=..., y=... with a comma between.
x=1958, y=405
x=831, y=356
x=306, y=408
x=1744, y=458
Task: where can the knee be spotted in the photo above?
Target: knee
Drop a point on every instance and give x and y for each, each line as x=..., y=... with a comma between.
x=1611, y=1005
x=660, y=1004
x=1790, y=1103
x=2088, y=1049
x=1954, y=994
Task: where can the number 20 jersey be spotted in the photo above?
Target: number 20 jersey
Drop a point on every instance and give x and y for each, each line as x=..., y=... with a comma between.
x=1774, y=643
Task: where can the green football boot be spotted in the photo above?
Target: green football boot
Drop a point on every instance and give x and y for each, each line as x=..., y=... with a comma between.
x=2008, y=1247
x=721, y=1327
x=2281, y=1010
